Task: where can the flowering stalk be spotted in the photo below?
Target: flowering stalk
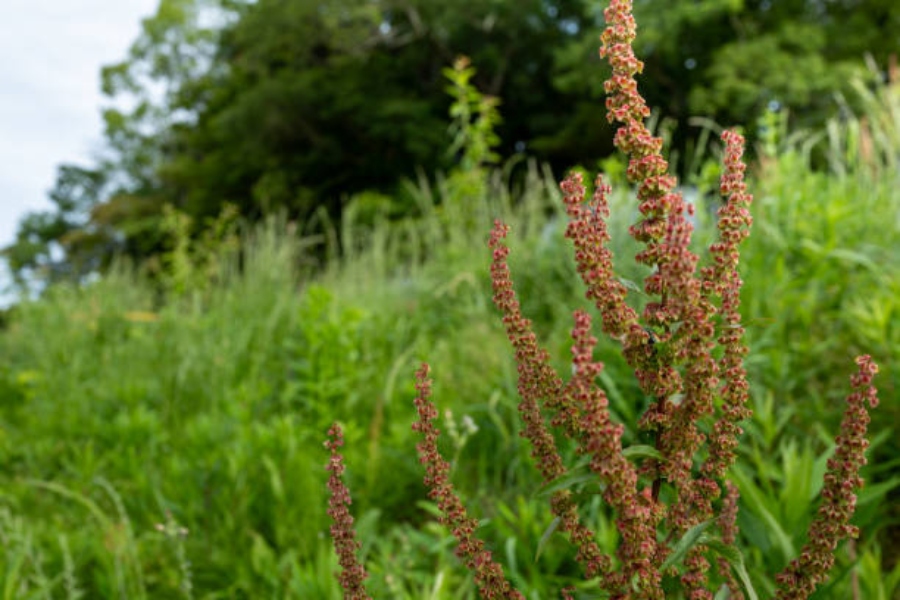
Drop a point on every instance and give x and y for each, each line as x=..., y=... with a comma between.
x=727, y=522
x=581, y=409
x=353, y=573
x=832, y=523
x=722, y=280
x=539, y=382
x=489, y=577
x=680, y=316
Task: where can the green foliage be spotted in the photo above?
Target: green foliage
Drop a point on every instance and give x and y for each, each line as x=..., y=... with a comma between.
x=819, y=242
x=297, y=105
x=203, y=410
x=210, y=408
x=475, y=118
x=31, y=256
x=191, y=264
x=167, y=443
x=749, y=75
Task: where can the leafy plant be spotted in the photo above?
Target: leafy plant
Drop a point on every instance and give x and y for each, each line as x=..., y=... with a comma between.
x=676, y=505
x=475, y=118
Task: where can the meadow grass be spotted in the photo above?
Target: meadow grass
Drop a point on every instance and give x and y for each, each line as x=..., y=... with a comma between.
x=170, y=446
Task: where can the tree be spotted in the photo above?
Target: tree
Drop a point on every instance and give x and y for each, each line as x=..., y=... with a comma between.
x=55, y=245
x=114, y=207
x=323, y=99
x=295, y=105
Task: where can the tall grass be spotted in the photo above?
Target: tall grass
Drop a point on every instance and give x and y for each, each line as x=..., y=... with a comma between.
x=170, y=447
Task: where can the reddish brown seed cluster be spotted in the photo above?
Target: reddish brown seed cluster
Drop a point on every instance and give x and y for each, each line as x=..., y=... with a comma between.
x=353, y=573
x=721, y=280
x=580, y=408
x=488, y=574
x=832, y=523
x=680, y=313
x=538, y=382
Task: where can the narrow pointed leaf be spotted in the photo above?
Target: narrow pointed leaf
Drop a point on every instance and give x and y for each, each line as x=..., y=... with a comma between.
x=687, y=542
x=736, y=560
x=572, y=478
x=642, y=451
x=554, y=524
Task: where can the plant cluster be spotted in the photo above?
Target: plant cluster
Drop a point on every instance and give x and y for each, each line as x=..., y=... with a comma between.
x=676, y=508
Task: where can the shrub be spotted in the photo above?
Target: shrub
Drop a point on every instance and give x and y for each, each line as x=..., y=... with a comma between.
x=676, y=506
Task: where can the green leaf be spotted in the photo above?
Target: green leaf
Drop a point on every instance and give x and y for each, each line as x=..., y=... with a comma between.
x=876, y=492
x=275, y=481
x=575, y=476
x=734, y=558
x=757, y=503
x=690, y=539
x=582, y=474
x=854, y=258
x=631, y=285
x=723, y=594
x=554, y=524
x=642, y=451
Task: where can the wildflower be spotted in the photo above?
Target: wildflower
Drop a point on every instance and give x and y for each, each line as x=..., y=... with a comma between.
x=353, y=573
x=832, y=523
x=488, y=574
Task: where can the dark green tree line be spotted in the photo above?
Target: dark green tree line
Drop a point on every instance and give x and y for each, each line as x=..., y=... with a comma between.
x=296, y=104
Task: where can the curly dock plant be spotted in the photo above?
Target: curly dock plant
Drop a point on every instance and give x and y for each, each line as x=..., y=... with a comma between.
x=675, y=507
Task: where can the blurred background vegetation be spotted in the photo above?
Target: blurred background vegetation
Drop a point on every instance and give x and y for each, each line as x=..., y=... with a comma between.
x=292, y=213
x=298, y=105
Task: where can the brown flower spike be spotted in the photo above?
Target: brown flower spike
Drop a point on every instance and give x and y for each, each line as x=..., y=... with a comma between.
x=832, y=523
x=488, y=574
x=353, y=573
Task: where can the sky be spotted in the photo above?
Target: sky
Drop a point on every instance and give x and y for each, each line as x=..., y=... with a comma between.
x=50, y=101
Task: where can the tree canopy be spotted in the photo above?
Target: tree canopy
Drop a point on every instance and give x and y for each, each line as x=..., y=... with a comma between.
x=294, y=105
